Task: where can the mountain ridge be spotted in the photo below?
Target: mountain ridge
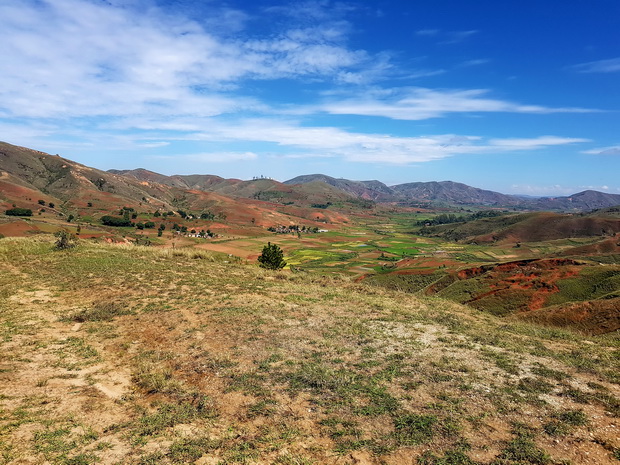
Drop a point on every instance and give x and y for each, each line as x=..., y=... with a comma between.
x=65, y=179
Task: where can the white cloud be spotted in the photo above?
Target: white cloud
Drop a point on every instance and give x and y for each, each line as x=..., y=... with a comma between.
x=613, y=150
x=601, y=66
x=477, y=62
x=534, y=143
x=543, y=191
x=422, y=103
x=369, y=148
x=76, y=58
x=152, y=145
x=455, y=37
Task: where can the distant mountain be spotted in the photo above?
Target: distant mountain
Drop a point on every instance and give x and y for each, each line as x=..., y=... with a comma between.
x=586, y=200
x=453, y=193
x=445, y=192
x=25, y=172
x=260, y=189
x=56, y=178
x=369, y=190
x=458, y=194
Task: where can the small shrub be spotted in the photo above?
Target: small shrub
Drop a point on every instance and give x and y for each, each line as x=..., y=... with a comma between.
x=65, y=240
x=101, y=311
x=272, y=257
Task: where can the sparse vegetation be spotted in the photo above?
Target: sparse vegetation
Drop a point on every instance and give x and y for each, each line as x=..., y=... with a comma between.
x=178, y=359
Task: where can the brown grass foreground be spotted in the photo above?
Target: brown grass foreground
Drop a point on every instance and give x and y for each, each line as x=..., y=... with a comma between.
x=129, y=355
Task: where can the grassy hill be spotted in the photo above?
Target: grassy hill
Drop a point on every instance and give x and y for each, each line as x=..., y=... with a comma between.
x=123, y=354
x=527, y=227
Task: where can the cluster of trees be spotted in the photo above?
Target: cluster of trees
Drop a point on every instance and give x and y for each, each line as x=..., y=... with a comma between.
x=117, y=221
x=16, y=211
x=321, y=205
x=146, y=225
x=157, y=214
x=184, y=214
x=292, y=229
x=183, y=229
x=448, y=218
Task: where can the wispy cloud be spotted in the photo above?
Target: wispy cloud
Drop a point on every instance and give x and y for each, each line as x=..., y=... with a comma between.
x=422, y=103
x=477, y=62
x=534, y=143
x=369, y=148
x=428, y=32
x=454, y=37
x=611, y=65
x=447, y=37
x=613, y=150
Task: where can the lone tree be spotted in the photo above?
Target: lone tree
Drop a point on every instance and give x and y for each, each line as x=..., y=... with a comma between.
x=272, y=257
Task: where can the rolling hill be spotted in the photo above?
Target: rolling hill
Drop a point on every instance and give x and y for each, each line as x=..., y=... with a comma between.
x=259, y=189
x=526, y=227
x=28, y=176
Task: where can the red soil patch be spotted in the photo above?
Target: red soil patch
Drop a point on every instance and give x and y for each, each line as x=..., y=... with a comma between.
x=15, y=192
x=536, y=277
x=593, y=317
x=17, y=228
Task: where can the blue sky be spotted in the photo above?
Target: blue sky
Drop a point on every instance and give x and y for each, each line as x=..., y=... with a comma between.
x=517, y=97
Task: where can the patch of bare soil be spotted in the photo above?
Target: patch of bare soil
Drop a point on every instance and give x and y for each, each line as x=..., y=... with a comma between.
x=593, y=317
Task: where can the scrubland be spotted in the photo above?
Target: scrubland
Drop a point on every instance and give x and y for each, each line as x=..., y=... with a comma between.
x=119, y=354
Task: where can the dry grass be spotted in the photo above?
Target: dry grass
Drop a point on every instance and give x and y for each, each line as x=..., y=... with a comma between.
x=132, y=355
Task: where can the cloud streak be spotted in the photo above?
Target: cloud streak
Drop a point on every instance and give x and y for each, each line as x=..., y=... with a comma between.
x=613, y=150
x=422, y=103
x=370, y=148
x=611, y=65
